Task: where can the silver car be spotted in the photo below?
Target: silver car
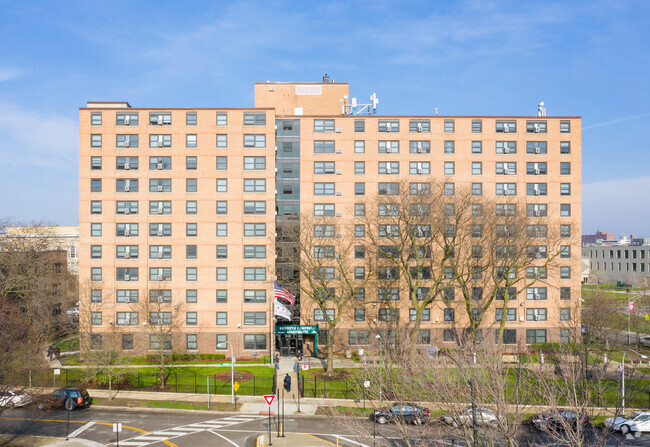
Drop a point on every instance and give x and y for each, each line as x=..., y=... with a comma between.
x=13, y=399
x=484, y=416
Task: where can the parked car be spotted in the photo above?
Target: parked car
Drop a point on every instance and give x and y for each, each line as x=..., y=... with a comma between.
x=638, y=422
x=560, y=420
x=645, y=341
x=484, y=416
x=408, y=413
x=13, y=398
x=69, y=398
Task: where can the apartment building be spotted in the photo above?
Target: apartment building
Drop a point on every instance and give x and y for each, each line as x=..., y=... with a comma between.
x=299, y=150
x=612, y=264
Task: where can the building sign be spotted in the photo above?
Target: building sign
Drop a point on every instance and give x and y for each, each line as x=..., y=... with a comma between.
x=297, y=330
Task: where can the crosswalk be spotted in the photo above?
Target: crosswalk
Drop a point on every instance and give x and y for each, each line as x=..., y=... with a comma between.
x=184, y=430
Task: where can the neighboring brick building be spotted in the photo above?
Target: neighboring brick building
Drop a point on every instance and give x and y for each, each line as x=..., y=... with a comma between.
x=598, y=237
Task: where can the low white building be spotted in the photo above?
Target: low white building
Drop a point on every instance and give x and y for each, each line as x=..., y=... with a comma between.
x=618, y=263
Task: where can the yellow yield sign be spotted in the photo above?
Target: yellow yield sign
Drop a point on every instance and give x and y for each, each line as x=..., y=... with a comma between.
x=236, y=386
x=647, y=317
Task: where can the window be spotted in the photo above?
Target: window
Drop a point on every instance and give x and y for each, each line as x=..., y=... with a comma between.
x=254, y=251
x=160, y=185
x=536, y=210
x=506, y=126
x=477, y=168
x=477, y=189
x=128, y=296
x=96, y=185
x=511, y=315
x=565, y=251
x=96, y=318
x=254, y=296
x=388, y=189
x=251, y=140
x=565, y=335
x=359, y=315
x=95, y=251
x=190, y=140
x=449, y=126
x=157, y=163
x=190, y=118
x=565, y=209
x=477, y=126
x=323, y=125
x=506, y=189
x=160, y=230
x=535, y=314
x=389, y=167
x=96, y=296
x=323, y=189
x=222, y=296
x=156, y=140
x=423, y=189
x=565, y=168
x=95, y=163
x=565, y=293
x=190, y=274
x=190, y=207
x=565, y=314
x=565, y=231
x=565, y=189
x=222, y=185
x=126, y=185
x=127, y=318
x=535, y=126
x=419, y=168
x=359, y=189
x=506, y=147
x=448, y=293
x=536, y=147
x=254, y=185
x=96, y=273
x=503, y=168
x=535, y=336
x=565, y=272
x=388, y=314
x=95, y=140
x=157, y=342
x=222, y=318
x=448, y=335
x=222, y=251
x=359, y=273
x=536, y=189
x=254, y=318
x=222, y=230
x=96, y=119
x=359, y=167
x=565, y=126
x=191, y=296
x=359, y=147
x=254, y=274
x=449, y=189
x=160, y=119
x=254, y=119
x=222, y=273
x=419, y=147
x=254, y=163
x=358, y=337
x=450, y=147
x=126, y=119
x=565, y=147
x=360, y=230
x=323, y=147
x=448, y=315
x=160, y=274
x=359, y=209
x=254, y=229
x=388, y=126
x=222, y=119
x=255, y=341
x=359, y=125
x=323, y=167
x=96, y=207
x=324, y=209
x=127, y=140
x=419, y=126
x=320, y=316
x=388, y=147
x=477, y=147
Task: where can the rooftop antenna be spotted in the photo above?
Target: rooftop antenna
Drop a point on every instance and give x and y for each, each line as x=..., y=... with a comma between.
x=541, y=110
x=355, y=108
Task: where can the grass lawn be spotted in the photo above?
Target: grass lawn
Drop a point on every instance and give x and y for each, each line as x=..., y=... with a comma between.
x=71, y=344
x=73, y=360
x=132, y=403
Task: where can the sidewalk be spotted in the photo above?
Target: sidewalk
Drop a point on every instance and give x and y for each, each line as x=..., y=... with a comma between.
x=291, y=440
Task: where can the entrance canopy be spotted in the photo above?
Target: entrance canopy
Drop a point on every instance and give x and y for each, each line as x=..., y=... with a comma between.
x=300, y=330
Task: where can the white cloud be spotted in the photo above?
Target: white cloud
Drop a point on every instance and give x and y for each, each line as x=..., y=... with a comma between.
x=617, y=206
x=616, y=121
x=8, y=74
x=30, y=137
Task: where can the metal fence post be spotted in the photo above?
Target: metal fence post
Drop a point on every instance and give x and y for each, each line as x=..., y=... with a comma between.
x=176, y=380
x=195, y=390
x=254, y=393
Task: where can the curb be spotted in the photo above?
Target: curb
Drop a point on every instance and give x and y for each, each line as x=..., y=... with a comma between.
x=190, y=411
x=257, y=441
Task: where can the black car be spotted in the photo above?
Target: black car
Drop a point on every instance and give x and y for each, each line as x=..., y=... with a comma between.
x=69, y=398
x=408, y=413
x=560, y=420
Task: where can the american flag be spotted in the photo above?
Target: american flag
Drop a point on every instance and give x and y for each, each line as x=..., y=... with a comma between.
x=282, y=293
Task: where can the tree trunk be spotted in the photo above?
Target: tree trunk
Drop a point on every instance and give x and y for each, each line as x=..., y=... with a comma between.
x=162, y=367
x=330, y=349
x=110, y=385
x=414, y=330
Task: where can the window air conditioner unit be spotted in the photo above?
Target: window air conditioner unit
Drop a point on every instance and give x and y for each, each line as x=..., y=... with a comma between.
x=160, y=188
x=126, y=188
x=506, y=128
x=389, y=148
x=537, y=150
x=537, y=192
x=521, y=318
x=339, y=172
x=127, y=166
x=536, y=127
x=506, y=192
x=127, y=277
x=537, y=171
x=339, y=130
x=127, y=143
x=339, y=235
x=127, y=211
x=419, y=170
x=339, y=151
x=160, y=232
x=419, y=147
x=166, y=278
x=506, y=150
x=127, y=120
x=338, y=214
x=126, y=300
x=389, y=127
x=160, y=255
x=127, y=255
x=507, y=172
x=160, y=209
x=537, y=213
x=338, y=278
x=535, y=317
x=160, y=142
x=388, y=170
x=127, y=232
x=160, y=300
x=536, y=295
x=338, y=256
x=160, y=166
x=338, y=193
x=419, y=127
x=160, y=120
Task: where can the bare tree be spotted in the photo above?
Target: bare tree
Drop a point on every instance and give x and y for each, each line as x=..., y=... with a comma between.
x=332, y=273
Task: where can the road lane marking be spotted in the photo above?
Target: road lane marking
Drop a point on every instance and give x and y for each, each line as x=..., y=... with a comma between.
x=350, y=440
x=81, y=429
x=223, y=437
x=320, y=439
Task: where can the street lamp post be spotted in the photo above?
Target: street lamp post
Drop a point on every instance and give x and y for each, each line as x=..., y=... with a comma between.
x=232, y=371
x=623, y=377
x=378, y=337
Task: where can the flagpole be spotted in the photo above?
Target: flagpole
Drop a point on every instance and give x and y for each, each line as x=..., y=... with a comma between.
x=272, y=328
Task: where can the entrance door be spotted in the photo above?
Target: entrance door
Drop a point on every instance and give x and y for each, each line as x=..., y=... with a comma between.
x=288, y=344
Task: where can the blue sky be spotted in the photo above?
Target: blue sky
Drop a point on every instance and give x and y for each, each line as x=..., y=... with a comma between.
x=587, y=58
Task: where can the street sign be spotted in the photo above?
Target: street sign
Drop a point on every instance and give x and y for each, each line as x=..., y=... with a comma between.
x=630, y=306
x=269, y=399
x=236, y=386
x=366, y=383
x=226, y=364
x=57, y=372
x=304, y=367
x=117, y=428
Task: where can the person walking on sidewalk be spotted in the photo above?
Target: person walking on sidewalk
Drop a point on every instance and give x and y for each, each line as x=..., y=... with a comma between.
x=287, y=383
